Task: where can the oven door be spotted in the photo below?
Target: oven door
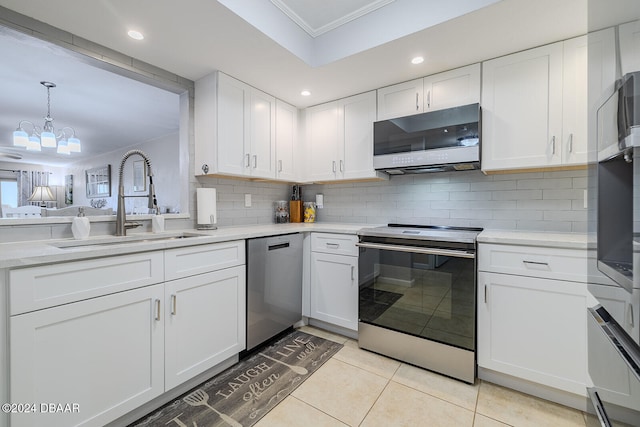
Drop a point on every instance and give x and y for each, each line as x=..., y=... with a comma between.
x=614, y=367
x=424, y=292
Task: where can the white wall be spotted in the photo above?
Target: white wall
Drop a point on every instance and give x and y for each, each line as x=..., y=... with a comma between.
x=163, y=153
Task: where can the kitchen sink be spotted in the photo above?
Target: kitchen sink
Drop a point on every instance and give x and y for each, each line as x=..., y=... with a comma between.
x=123, y=240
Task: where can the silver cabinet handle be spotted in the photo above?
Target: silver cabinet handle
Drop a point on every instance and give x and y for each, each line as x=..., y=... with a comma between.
x=334, y=166
x=571, y=143
x=485, y=294
x=248, y=156
x=279, y=165
x=553, y=145
x=255, y=161
x=417, y=104
x=535, y=262
x=630, y=318
x=333, y=245
x=174, y=299
x=428, y=99
x=353, y=270
x=157, y=309
x=341, y=165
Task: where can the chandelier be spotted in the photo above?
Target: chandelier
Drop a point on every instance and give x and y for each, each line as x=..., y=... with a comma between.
x=64, y=141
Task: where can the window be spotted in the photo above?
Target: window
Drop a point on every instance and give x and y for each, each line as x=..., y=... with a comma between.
x=9, y=193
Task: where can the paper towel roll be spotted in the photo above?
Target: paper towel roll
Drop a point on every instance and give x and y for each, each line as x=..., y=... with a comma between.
x=206, y=202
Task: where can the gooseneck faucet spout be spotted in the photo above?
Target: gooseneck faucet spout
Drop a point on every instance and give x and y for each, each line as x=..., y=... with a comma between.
x=121, y=223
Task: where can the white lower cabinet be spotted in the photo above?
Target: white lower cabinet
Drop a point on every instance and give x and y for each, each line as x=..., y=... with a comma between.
x=105, y=355
x=112, y=352
x=203, y=323
x=534, y=329
x=334, y=280
x=530, y=325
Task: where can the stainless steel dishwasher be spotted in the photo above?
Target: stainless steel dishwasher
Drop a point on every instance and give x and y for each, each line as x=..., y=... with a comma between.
x=274, y=286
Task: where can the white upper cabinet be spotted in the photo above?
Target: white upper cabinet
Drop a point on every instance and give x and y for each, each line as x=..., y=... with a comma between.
x=358, y=114
x=522, y=109
x=234, y=128
x=322, y=142
x=286, y=141
x=403, y=99
x=340, y=139
x=444, y=90
x=538, y=104
x=452, y=88
x=629, y=35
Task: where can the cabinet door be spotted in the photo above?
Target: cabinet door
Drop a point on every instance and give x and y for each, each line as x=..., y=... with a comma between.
x=452, y=88
x=105, y=354
x=205, y=322
x=233, y=126
x=286, y=139
x=629, y=34
x=334, y=289
x=358, y=114
x=574, y=147
x=322, y=139
x=403, y=99
x=534, y=329
x=522, y=109
x=262, y=147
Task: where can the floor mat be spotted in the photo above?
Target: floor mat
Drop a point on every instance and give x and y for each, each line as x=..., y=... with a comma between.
x=374, y=302
x=244, y=393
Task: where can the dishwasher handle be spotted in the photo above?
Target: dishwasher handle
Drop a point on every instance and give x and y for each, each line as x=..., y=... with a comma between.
x=278, y=246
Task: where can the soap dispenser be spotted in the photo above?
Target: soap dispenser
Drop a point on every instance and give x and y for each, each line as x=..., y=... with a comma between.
x=80, y=226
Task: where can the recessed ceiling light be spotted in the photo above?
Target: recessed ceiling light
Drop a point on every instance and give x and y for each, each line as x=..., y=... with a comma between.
x=305, y=93
x=136, y=35
x=417, y=60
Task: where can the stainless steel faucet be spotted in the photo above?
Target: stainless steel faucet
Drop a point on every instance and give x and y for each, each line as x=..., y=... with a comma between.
x=121, y=223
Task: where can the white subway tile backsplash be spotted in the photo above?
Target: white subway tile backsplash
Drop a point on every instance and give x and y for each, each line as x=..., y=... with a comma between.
x=549, y=201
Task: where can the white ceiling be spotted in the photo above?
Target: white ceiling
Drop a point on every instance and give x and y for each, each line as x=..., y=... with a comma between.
x=192, y=38
x=317, y=17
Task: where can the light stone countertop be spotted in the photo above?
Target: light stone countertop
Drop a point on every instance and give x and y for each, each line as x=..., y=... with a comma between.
x=539, y=238
x=20, y=254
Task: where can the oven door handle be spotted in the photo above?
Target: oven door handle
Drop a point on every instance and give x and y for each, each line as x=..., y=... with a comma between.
x=599, y=407
x=415, y=250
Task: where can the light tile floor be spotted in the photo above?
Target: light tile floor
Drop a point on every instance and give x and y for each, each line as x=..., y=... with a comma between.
x=359, y=388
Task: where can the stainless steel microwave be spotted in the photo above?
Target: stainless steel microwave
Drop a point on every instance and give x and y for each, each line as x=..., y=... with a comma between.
x=619, y=118
x=436, y=141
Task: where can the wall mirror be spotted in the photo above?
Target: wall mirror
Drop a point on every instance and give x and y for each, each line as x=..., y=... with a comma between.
x=98, y=182
x=111, y=109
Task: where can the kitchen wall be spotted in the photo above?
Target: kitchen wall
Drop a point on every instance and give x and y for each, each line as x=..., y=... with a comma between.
x=540, y=201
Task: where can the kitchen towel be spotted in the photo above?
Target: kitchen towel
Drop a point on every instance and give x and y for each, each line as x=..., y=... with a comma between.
x=206, y=205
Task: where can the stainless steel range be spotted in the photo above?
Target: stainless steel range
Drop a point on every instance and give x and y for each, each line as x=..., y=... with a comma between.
x=418, y=296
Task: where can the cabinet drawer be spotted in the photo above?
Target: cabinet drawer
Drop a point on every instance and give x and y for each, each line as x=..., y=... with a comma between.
x=189, y=261
x=339, y=244
x=45, y=286
x=551, y=263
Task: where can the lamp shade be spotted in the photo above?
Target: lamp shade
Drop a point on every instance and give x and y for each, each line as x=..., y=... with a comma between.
x=63, y=147
x=48, y=139
x=20, y=138
x=41, y=193
x=74, y=145
x=33, y=144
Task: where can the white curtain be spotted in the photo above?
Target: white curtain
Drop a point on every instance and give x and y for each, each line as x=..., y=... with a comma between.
x=27, y=181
